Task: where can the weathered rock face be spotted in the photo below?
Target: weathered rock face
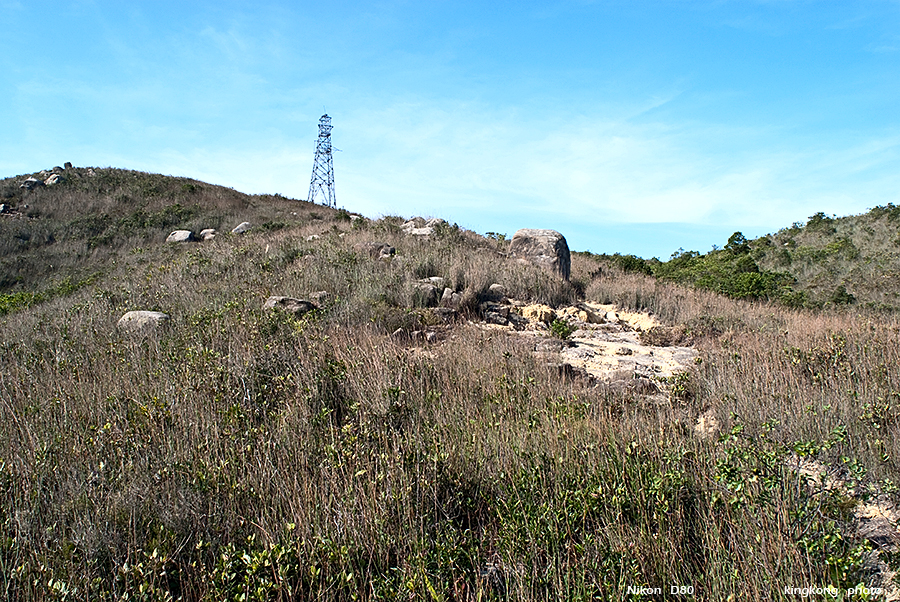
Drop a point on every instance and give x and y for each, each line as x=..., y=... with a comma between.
x=545, y=248
x=138, y=320
x=180, y=236
x=298, y=307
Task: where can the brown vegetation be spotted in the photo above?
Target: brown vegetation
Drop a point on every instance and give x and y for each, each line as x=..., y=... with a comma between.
x=237, y=452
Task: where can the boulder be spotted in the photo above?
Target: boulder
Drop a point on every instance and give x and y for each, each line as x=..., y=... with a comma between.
x=241, y=228
x=54, y=179
x=540, y=313
x=298, y=307
x=180, y=236
x=425, y=294
x=208, y=234
x=138, y=320
x=545, y=248
x=31, y=184
x=68, y=165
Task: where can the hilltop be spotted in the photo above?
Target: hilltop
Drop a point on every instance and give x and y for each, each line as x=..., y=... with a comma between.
x=343, y=408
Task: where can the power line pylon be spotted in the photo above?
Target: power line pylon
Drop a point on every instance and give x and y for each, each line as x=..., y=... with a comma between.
x=322, y=181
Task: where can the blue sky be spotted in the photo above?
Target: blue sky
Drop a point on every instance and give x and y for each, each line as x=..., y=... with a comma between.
x=629, y=126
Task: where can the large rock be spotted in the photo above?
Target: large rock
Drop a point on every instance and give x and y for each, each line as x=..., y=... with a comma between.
x=241, y=228
x=53, y=179
x=545, y=248
x=298, y=307
x=208, y=234
x=138, y=320
x=180, y=236
x=31, y=184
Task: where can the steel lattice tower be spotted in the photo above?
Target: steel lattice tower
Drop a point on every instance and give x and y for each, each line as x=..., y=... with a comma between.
x=322, y=181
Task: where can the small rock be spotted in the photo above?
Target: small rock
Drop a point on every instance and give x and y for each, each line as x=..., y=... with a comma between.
x=624, y=351
x=321, y=298
x=497, y=292
x=312, y=237
x=612, y=316
x=298, y=307
x=137, y=320
x=430, y=336
x=208, y=234
x=180, y=236
x=241, y=228
x=3, y=208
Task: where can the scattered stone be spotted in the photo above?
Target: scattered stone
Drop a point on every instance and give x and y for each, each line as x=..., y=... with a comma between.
x=298, y=307
x=545, y=248
x=241, y=228
x=541, y=313
x=138, y=320
x=180, y=236
x=208, y=234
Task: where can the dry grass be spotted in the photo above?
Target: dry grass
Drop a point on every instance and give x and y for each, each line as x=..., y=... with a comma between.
x=236, y=452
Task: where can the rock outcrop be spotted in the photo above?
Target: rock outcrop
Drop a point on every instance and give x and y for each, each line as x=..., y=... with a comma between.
x=545, y=248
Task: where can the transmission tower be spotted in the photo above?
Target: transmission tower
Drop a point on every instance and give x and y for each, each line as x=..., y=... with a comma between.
x=322, y=181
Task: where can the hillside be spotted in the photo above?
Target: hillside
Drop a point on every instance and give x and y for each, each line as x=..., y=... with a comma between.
x=839, y=258
x=525, y=438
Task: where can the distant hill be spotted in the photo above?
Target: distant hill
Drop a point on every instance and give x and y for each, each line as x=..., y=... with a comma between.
x=827, y=261
x=839, y=259
x=67, y=230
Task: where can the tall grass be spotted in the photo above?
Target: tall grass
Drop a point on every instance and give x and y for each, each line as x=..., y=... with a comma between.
x=240, y=454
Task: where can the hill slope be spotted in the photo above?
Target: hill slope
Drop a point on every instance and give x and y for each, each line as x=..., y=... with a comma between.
x=241, y=453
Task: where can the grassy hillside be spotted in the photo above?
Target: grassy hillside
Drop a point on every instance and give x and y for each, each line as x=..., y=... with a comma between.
x=827, y=261
x=845, y=259
x=242, y=454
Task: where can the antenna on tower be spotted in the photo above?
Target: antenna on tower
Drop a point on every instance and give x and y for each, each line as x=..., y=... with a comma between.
x=322, y=181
